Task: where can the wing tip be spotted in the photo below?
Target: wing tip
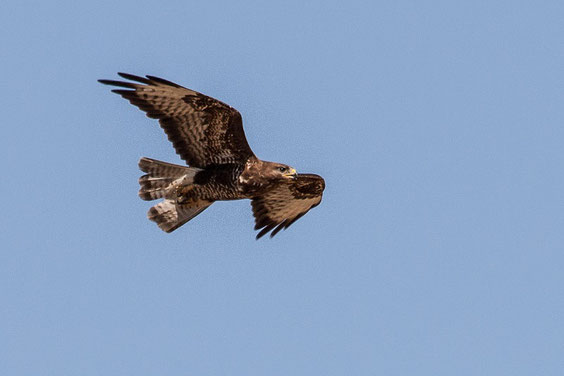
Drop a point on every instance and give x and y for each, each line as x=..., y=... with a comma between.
x=147, y=80
x=162, y=81
x=121, y=92
x=132, y=77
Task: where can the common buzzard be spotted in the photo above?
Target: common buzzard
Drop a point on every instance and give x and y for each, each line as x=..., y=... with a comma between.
x=208, y=135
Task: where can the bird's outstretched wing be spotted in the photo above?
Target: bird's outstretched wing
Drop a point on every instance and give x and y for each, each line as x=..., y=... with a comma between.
x=203, y=130
x=286, y=203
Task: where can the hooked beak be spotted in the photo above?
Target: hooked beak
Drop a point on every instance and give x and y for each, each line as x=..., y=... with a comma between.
x=292, y=173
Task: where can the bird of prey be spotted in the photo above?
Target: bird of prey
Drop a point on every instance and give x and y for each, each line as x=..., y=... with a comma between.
x=208, y=135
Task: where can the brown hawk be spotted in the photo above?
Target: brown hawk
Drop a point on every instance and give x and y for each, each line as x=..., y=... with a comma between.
x=208, y=135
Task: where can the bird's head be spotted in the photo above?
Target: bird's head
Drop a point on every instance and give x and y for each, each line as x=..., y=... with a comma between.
x=284, y=171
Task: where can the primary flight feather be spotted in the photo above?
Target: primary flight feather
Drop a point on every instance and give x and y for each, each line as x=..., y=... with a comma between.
x=208, y=135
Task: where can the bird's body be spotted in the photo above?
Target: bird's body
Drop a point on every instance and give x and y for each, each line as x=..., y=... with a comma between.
x=209, y=136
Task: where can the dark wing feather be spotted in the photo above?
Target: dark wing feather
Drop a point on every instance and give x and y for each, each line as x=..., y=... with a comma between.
x=287, y=202
x=203, y=130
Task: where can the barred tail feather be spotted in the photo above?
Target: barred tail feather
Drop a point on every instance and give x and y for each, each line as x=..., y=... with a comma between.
x=161, y=181
x=157, y=168
x=162, y=178
x=169, y=215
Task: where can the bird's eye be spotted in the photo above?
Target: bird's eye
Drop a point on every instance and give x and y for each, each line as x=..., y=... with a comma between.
x=282, y=169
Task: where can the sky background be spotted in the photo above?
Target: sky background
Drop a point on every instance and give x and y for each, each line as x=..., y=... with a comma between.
x=438, y=247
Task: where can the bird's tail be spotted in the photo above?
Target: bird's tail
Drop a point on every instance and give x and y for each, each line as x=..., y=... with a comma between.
x=161, y=181
x=162, y=178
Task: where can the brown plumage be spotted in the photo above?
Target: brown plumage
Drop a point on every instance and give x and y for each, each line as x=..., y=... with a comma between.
x=208, y=135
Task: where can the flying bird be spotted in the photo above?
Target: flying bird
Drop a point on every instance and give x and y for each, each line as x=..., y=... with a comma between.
x=208, y=135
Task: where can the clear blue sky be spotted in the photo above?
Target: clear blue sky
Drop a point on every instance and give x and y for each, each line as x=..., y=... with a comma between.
x=438, y=248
